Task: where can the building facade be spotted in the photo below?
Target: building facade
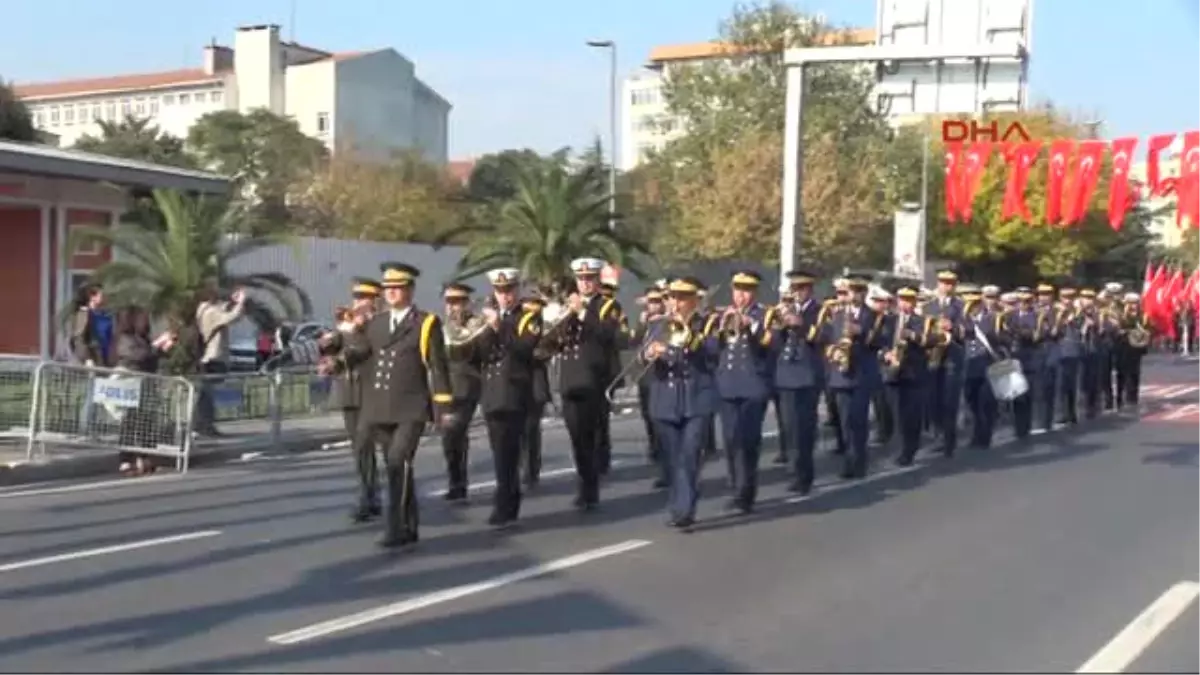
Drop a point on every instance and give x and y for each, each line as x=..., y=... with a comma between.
x=1167, y=232
x=904, y=92
x=370, y=101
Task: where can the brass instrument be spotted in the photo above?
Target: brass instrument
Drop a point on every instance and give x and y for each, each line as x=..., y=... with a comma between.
x=1136, y=335
x=460, y=332
x=937, y=353
x=731, y=323
x=678, y=336
x=839, y=353
x=893, y=358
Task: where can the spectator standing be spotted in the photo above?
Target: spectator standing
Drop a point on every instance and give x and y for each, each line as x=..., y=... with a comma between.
x=213, y=318
x=134, y=350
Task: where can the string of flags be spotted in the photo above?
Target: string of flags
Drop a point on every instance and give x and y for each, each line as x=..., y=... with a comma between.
x=1072, y=175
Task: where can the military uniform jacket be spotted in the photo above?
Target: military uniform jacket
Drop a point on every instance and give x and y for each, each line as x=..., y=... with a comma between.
x=506, y=360
x=345, y=387
x=864, y=364
x=797, y=350
x=913, y=362
x=1023, y=334
x=465, y=379
x=951, y=308
x=682, y=384
x=404, y=370
x=1070, y=334
x=744, y=369
x=585, y=357
x=989, y=325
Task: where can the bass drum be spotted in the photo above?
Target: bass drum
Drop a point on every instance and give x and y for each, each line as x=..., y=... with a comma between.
x=1007, y=380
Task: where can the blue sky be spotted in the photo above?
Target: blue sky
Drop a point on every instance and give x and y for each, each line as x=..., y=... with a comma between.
x=519, y=75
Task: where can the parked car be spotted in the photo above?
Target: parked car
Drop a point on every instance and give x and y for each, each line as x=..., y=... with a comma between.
x=250, y=349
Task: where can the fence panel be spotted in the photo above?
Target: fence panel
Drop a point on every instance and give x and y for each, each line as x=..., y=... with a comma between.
x=19, y=376
x=112, y=409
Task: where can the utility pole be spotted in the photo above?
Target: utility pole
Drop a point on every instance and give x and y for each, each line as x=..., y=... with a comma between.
x=612, y=127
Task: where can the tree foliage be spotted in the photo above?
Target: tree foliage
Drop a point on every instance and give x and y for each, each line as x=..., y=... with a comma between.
x=136, y=138
x=16, y=122
x=494, y=177
x=408, y=199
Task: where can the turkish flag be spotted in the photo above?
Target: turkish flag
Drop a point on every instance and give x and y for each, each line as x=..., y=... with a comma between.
x=1087, y=174
x=953, y=157
x=1187, y=189
x=974, y=164
x=1157, y=145
x=1020, y=158
x=1119, y=199
x=1056, y=178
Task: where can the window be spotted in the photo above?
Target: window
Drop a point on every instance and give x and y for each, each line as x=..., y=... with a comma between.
x=91, y=248
x=645, y=97
x=95, y=112
x=126, y=107
x=322, y=123
x=39, y=119
x=68, y=114
x=185, y=99
x=153, y=105
x=216, y=96
x=168, y=99
x=110, y=110
x=139, y=106
x=645, y=123
x=53, y=114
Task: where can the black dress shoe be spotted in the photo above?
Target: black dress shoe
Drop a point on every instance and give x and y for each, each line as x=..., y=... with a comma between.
x=799, y=488
x=455, y=494
x=904, y=461
x=397, y=541
x=738, y=506
x=363, y=514
x=780, y=460
x=683, y=524
x=660, y=483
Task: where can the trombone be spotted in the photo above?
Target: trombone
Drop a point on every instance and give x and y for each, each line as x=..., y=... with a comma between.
x=678, y=336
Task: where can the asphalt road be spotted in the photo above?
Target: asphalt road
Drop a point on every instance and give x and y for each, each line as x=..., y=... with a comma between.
x=1038, y=557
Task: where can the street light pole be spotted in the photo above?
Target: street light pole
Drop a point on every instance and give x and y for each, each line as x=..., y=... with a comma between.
x=612, y=127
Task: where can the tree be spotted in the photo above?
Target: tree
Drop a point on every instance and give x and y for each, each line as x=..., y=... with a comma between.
x=136, y=138
x=16, y=122
x=264, y=153
x=408, y=199
x=164, y=271
x=556, y=215
x=1010, y=251
x=720, y=181
x=494, y=176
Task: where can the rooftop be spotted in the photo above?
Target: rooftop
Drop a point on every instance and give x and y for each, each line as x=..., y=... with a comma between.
x=43, y=160
x=705, y=50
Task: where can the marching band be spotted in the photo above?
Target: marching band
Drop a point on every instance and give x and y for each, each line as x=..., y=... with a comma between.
x=909, y=356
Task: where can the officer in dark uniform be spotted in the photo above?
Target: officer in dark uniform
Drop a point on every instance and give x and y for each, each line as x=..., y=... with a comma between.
x=465, y=385
x=506, y=353
x=880, y=301
x=982, y=341
x=744, y=384
x=608, y=290
x=946, y=359
x=346, y=392
x=708, y=311
x=1070, y=353
x=841, y=295
x=403, y=353
x=683, y=394
x=1129, y=356
x=904, y=372
x=1046, y=338
x=584, y=340
x=1110, y=312
x=781, y=457
x=653, y=311
x=1025, y=333
x=531, y=439
x=853, y=336
x=1092, y=338
x=799, y=376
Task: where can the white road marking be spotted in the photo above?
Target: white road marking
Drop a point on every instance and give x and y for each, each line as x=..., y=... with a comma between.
x=1124, y=649
x=450, y=594
x=1181, y=412
x=831, y=487
x=28, y=491
x=106, y=550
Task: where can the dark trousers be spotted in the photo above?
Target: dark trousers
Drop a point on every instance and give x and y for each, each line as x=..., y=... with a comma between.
x=1046, y=395
x=531, y=444
x=652, y=451
x=683, y=441
x=456, y=445
x=907, y=402
x=1108, y=367
x=835, y=421
x=945, y=397
x=604, y=437
x=581, y=414
x=741, y=427
x=399, y=441
x=1129, y=376
x=1090, y=383
x=981, y=401
x=206, y=409
x=710, y=436
x=504, y=434
x=365, y=463
x=1068, y=388
x=885, y=422
x=777, y=406
x=1022, y=406
x=854, y=412
x=798, y=430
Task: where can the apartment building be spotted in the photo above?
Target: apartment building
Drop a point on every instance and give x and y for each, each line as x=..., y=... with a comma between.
x=1164, y=228
x=906, y=92
x=371, y=101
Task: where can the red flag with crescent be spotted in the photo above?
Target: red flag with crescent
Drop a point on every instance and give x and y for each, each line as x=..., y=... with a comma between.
x=1056, y=178
x=1020, y=158
x=1187, y=189
x=952, y=152
x=1118, y=188
x=1157, y=145
x=1083, y=183
x=975, y=161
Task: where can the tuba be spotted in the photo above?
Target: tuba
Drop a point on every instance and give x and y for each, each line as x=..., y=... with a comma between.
x=839, y=353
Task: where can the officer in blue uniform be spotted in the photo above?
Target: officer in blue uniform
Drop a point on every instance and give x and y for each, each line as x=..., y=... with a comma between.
x=1024, y=336
x=799, y=376
x=880, y=301
x=1070, y=353
x=853, y=335
x=982, y=342
x=945, y=369
x=743, y=381
x=653, y=311
x=1046, y=338
x=841, y=296
x=1094, y=335
x=683, y=395
x=904, y=365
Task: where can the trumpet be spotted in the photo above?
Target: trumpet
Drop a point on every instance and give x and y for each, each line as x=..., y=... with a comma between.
x=893, y=358
x=678, y=336
x=839, y=353
x=937, y=353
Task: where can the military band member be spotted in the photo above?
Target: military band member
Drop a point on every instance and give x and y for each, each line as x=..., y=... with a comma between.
x=653, y=311
x=841, y=295
x=904, y=372
x=1129, y=355
x=505, y=356
x=781, y=456
x=1070, y=353
x=885, y=423
x=1026, y=331
x=743, y=382
x=1110, y=308
x=531, y=438
x=465, y=386
x=683, y=394
x=982, y=340
x=403, y=353
x=1046, y=336
x=853, y=335
x=946, y=359
x=585, y=340
x=799, y=376
x=1094, y=336
x=608, y=290
x=346, y=392
x=706, y=309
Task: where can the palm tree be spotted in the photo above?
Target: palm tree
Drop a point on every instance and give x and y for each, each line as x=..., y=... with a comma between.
x=136, y=138
x=554, y=216
x=164, y=269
